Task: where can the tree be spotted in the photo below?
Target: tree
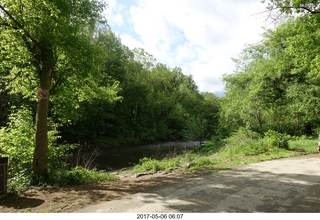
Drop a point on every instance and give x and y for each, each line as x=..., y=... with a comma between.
x=279, y=77
x=294, y=6
x=54, y=40
x=303, y=47
x=195, y=129
x=257, y=95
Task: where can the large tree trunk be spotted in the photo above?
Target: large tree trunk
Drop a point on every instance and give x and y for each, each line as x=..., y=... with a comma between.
x=41, y=147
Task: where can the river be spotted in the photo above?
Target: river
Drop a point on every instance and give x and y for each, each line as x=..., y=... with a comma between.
x=120, y=157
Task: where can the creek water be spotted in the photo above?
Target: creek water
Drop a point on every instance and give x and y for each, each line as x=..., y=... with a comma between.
x=120, y=157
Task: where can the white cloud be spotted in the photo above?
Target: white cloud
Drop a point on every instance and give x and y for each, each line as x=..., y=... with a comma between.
x=198, y=36
x=130, y=41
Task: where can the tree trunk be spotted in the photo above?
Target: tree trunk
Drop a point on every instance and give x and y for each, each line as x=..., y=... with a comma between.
x=41, y=147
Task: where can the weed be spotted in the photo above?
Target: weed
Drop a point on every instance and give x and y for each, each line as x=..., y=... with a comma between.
x=242, y=148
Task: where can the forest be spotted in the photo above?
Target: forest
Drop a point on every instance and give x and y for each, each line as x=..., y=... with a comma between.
x=66, y=81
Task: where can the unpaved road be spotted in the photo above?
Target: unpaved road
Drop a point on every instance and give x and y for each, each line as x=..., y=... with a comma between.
x=284, y=185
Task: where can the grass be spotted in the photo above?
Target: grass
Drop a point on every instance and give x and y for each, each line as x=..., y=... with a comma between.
x=242, y=148
x=235, y=153
x=213, y=157
x=308, y=145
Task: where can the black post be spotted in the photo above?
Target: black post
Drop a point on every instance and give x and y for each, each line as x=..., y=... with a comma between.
x=3, y=175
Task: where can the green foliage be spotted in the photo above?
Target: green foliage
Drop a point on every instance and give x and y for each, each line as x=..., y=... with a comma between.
x=19, y=182
x=305, y=145
x=244, y=142
x=147, y=164
x=276, y=83
x=188, y=161
x=98, y=86
x=17, y=143
x=276, y=139
x=28, y=32
x=78, y=176
x=195, y=129
x=155, y=103
x=210, y=147
x=247, y=143
x=59, y=156
x=293, y=6
x=58, y=53
x=203, y=162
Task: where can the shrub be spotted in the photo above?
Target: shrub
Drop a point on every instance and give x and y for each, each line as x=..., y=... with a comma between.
x=148, y=164
x=243, y=142
x=203, y=162
x=209, y=147
x=17, y=143
x=195, y=129
x=77, y=176
x=59, y=156
x=275, y=139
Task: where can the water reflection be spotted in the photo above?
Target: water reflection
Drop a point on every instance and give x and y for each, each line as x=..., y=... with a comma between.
x=120, y=157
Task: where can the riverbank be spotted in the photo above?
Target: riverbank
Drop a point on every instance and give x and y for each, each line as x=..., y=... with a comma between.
x=115, y=158
x=70, y=198
x=288, y=185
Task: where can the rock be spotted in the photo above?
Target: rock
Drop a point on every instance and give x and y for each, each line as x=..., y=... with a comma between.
x=102, y=171
x=186, y=165
x=141, y=174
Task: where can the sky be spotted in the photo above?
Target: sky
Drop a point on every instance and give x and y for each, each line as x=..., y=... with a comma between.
x=199, y=36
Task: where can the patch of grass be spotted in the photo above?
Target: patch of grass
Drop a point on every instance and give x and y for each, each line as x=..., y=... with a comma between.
x=79, y=175
x=209, y=148
x=147, y=164
x=241, y=149
x=309, y=145
x=202, y=162
x=27, y=210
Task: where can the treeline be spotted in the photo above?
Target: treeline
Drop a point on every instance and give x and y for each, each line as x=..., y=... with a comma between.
x=154, y=101
x=276, y=83
x=106, y=94
x=143, y=100
x=66, y=78
x=67, y=82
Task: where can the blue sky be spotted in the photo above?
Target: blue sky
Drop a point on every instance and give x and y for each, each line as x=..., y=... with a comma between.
x=199, y=36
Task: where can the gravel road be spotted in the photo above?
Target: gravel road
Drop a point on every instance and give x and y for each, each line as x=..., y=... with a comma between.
x=287, y=185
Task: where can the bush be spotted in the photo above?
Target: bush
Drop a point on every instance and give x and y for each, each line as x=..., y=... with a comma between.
x=247, y=143
x=210, y=147
x=243, y=142
x=202, y=162
x=78, y=176
x=304, y=143
x=194, y=161
x=147, y=164
x=275, y=139
x=59, y=156
x=17, y=143
x=195, y=129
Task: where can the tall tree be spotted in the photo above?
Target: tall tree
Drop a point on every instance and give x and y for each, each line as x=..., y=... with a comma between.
x=296, y=6
x=51, y=35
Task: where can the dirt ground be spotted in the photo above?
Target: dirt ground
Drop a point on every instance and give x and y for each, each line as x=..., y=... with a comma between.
x=71, y=198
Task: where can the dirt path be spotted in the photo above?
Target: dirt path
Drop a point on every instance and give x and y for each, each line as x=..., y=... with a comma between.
x=284, y=185
x=72, y=198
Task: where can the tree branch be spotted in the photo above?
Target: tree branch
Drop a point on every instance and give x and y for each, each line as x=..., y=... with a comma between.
x=8, y=25
x=300, y=7
x=18, y=26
